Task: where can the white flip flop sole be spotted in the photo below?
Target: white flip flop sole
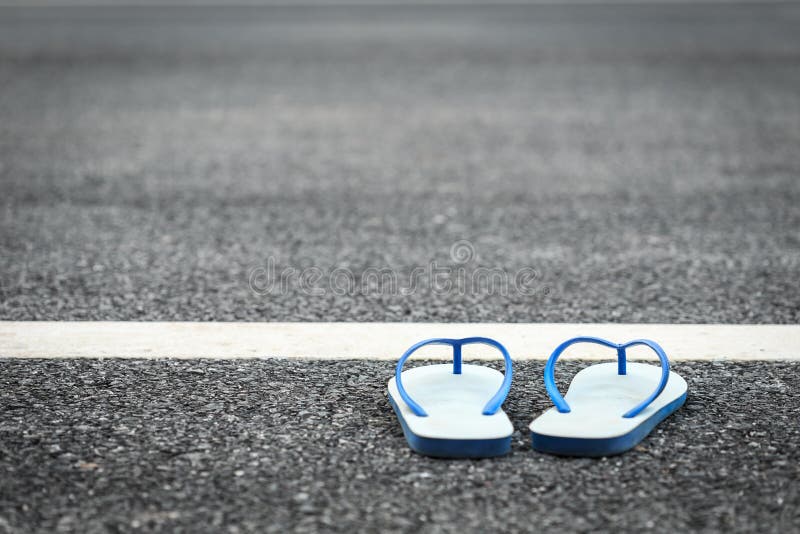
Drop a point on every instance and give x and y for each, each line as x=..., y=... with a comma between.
x=598, y=397
x=455, y=426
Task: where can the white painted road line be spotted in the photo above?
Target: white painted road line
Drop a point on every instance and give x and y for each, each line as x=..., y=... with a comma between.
x=380, y=340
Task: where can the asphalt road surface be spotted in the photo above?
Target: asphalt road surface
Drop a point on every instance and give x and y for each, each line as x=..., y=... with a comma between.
x=228, y=446
x=603, y=163
x=634, y=163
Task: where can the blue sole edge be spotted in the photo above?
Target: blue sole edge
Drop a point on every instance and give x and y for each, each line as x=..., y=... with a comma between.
x=605, y=446
x=452, y=448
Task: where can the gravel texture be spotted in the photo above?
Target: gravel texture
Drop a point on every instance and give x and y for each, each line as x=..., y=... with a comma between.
x=639, y=162
x=282, y=445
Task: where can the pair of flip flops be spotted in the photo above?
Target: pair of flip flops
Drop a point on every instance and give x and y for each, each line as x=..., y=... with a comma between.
x=454, y=411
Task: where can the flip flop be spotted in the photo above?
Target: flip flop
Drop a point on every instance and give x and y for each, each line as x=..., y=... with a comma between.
x=461, y=417
x=602, y=413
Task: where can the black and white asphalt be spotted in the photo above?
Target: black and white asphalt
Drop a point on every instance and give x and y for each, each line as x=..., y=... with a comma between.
x=640, y=162
x=280, y=445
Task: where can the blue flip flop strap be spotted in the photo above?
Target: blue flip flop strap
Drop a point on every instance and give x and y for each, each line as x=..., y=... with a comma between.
x=494, y=403
x=558, y=399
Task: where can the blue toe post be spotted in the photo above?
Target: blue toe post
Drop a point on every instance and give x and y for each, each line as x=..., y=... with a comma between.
x=558, y=399
x=494, y=403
